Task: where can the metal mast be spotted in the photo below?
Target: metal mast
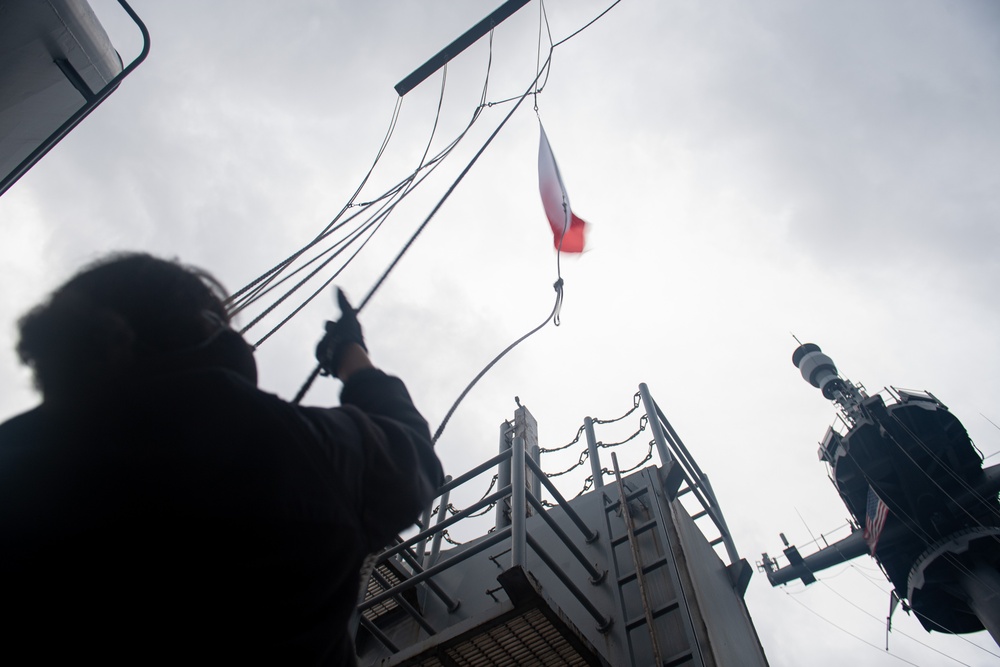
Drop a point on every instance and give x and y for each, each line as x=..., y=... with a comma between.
x=924, y=506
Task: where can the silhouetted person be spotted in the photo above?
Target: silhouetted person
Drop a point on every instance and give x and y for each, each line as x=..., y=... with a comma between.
x=158, y=508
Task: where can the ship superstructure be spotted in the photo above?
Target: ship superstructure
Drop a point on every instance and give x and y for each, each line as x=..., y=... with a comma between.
x=922, y=504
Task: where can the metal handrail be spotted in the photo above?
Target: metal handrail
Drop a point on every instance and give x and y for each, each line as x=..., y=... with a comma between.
x=520, y=497
x=588, y=534
x=672, y=452
x=441, y=525
x=84, y=111
x=514, y=489
x=692, y=473
x=409, y=583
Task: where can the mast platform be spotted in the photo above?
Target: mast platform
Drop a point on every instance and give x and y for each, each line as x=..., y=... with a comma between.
x=623, y=574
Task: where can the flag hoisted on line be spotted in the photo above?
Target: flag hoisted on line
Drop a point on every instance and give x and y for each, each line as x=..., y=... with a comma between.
x=875, y=515
x=567, y=229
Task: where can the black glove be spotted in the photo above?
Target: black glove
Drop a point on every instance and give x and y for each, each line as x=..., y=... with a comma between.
x=339, y=334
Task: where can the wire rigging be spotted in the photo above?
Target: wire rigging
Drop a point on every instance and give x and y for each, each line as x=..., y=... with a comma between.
x=372, y=224
x=922, y=534
x=881, y=622
x=940, y=627
x=552, y=316
x=592, y=22
x=990, y=508
x=846, y=631
x=912, y=524
x=420, y=229
x=268, y=275
x=370, y=227
x=258, y=287
x=448, y=193
x=389, y=200
x=282, y=273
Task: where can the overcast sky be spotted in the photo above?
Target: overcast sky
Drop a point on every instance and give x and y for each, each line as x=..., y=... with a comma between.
x=750, y=171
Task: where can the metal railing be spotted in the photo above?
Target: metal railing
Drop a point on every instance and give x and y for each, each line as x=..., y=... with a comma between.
x=422, y=567
x=678, y=468
x=520, y=481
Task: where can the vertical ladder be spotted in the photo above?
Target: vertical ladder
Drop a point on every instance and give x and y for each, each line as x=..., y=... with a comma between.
x=667, y=638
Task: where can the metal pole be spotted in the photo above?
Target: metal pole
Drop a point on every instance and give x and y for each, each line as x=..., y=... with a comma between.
x=425, y=575
x=438, y=535
x=526, y=427
x=379, y=635
x=592, y=452
x=518, y=546
x=503, y=476
x=469, y=37
x=683, y=454
x=408, y=558
x=720, y=521
x=603, y=622
x=588, y=534
x=404, y=547
x=596, y=576
x=654, y=425
x=535, y=482
x=475, y=472
x=436, y=543
x=402, y=602
x=425, y=524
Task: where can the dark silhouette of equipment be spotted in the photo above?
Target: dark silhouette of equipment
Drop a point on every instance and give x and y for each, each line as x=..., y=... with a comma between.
x=923, y=505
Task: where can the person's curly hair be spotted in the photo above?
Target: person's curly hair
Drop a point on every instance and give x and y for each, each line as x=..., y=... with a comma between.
x=124, y=310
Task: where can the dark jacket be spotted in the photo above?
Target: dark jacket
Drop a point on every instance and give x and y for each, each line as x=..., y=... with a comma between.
x=196, y=519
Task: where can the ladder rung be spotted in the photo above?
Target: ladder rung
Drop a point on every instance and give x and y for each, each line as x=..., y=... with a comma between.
x=679, y=659
x=645, y=570
x=644, y=527
x=613, y=507
x=635, y=531
x=656, y=613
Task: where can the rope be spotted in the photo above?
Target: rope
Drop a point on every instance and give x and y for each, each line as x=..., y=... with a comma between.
x=267, y=275
x=394, y=196
x=592, y=22
x=260, y=285
x=447, y=194
x=551, y=316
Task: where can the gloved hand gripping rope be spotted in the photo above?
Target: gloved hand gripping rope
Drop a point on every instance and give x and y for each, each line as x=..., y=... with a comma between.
x=346, y=330
x=330, y=350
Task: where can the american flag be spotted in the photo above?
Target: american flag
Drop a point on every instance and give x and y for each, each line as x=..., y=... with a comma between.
x=875, y=515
